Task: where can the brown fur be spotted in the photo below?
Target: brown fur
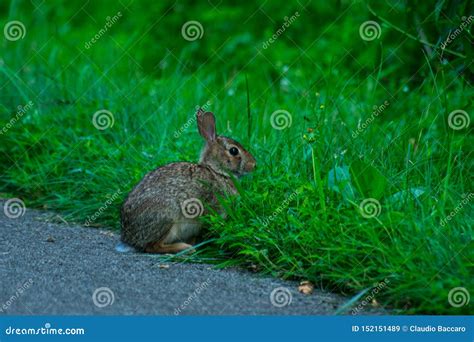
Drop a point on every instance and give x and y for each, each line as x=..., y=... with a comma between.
x=152, y=216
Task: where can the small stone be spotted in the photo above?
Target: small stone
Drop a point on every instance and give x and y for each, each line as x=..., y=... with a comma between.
x=306, y=287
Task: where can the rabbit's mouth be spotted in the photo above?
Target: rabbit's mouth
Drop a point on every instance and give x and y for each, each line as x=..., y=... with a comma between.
x=241, y=173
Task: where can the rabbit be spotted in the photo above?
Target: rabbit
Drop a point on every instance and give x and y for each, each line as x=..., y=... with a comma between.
x=161, y=214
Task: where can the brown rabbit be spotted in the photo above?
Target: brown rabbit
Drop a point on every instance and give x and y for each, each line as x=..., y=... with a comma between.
x=160, y=215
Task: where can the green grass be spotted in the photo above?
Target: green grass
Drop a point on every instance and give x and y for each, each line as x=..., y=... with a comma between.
x=151, y=79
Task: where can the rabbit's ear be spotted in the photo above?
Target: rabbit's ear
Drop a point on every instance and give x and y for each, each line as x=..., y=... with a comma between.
x=206, y=125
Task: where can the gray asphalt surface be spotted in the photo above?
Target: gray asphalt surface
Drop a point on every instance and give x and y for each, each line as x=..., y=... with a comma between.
x=48, y=269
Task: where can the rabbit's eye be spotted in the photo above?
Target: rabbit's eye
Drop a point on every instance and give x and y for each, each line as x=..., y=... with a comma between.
x=234, y=151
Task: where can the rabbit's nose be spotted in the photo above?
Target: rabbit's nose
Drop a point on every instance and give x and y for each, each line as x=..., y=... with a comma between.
x=252, y=165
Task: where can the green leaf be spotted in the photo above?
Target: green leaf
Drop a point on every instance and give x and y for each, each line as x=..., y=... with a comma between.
x=369, y=181
x=339, y=180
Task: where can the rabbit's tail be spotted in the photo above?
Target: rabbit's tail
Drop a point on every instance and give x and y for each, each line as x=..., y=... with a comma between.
x=122, y=247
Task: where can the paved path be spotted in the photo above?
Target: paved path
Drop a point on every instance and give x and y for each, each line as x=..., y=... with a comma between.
x=49, y=268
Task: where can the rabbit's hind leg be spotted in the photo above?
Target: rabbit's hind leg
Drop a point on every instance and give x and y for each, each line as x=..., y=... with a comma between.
x=176, y=238
x=162, y=248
